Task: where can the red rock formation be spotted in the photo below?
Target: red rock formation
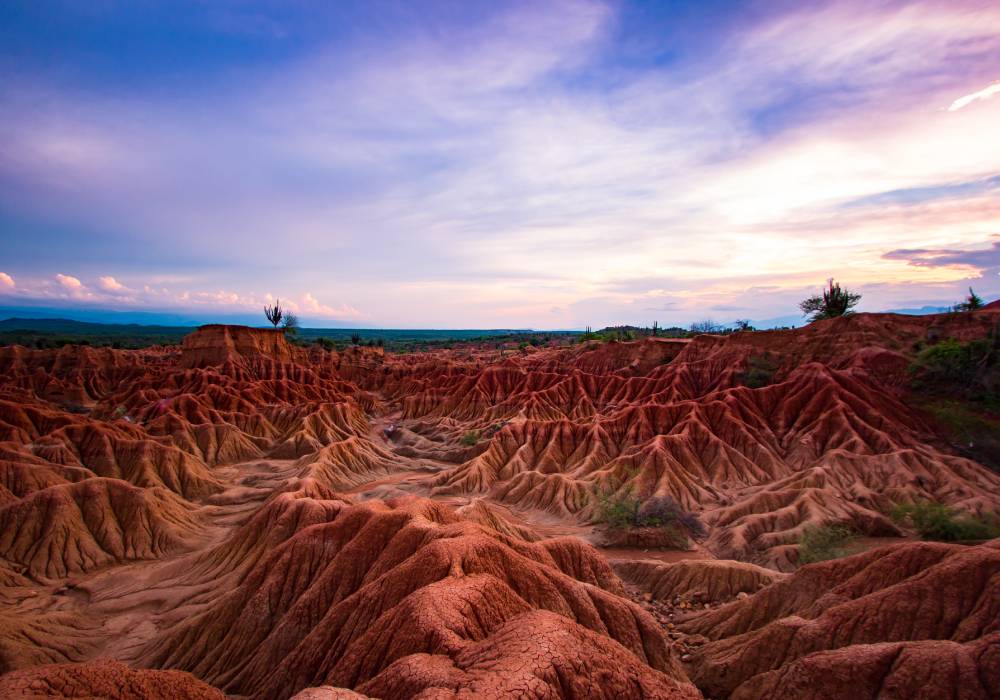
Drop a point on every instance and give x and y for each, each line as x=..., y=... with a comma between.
x=198, y=500
x=80, y=527
x=215, y=344
x=106, y=679
x=363, y=598
x=704, y=580
x=877, y=617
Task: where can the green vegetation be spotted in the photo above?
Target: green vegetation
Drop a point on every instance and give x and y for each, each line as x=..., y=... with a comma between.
x=470, y=438
x=832, y=302
x=618, y=509
x=760, y=370
x=971, y=303
x=964, y=370
x=624, y=510
x=959, y=384
x=706, y=326
x=936, y=521
x=823, y=542
x=290, y=323
x=52, y=333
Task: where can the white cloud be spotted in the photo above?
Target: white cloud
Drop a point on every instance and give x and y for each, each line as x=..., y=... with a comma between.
x=966, y=100
x=69, y=282
x=311, y=304
x=6, y=281
x=485, y=188
x=110, y=284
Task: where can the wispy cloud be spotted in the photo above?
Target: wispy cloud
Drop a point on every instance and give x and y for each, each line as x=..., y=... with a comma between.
x=520, y=163
x=984, y=94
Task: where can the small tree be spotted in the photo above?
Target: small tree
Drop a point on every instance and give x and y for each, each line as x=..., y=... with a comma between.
x=833, y=302
x=273, y=313
x=971, y=303
x=706, y=326
x=290, y=323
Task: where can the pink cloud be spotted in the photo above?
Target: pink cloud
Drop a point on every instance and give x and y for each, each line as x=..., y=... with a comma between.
x=69, y=282
x=6, y=281
x=110, y=284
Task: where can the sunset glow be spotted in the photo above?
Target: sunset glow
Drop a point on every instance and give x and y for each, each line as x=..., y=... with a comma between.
x=546, y=165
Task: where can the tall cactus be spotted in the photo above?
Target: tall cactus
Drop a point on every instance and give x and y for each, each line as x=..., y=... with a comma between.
x=273, y=313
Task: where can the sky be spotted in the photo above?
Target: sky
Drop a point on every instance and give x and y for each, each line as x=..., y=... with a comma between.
x=496, y=164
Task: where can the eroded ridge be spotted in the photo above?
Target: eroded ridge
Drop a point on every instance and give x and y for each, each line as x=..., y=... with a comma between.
x=249, y=517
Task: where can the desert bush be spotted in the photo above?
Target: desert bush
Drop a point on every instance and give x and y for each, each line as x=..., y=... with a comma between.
x=618, y=509
x=951, y=367
x=470, y=438
x=823, y=542
x=290, y=323
x=706, y=326
x=355, y=339
x=971, y=303
x=760, y=370
x=623, y=509
x=830, y=303
x=936, y=521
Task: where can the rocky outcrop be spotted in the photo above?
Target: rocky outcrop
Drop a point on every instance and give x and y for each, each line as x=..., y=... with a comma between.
x=392, y=600
x=107, y=679
x=79, y=527
x=215, y=344
x=920, y=619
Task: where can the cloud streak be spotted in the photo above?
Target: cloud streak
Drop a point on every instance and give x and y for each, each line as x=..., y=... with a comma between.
x=550, y=165
x=984, y=94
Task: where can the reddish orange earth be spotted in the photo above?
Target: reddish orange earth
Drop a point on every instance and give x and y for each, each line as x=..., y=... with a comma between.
x=244, y=517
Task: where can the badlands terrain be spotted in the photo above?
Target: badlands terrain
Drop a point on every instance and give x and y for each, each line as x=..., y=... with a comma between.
x=243, y=517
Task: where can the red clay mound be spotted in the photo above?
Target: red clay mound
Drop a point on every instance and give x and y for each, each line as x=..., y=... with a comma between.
x=76, y=447
x=107, y=679
x=338, y=603
x=326, y=692
x=537, y=654
x=706, y=580
x=97, y=522
x=215, y=344
x=822, y=445
x=885, y=613
x=934, y=669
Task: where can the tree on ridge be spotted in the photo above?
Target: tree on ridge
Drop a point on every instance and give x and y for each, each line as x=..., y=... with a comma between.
x=834, y=301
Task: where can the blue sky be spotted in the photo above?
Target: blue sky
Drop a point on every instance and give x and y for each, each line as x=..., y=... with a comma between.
x=461, y=164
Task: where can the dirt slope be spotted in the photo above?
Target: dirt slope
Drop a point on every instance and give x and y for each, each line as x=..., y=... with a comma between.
x=275, y=520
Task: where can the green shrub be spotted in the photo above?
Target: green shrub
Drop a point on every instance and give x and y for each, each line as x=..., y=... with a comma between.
x=949, y=361
x=470, y=438
x=622, y=510
x=830, y=303
x=760, y=370
x=618, y=509
x=936, y=521
x=964, y=370
x=823, y=542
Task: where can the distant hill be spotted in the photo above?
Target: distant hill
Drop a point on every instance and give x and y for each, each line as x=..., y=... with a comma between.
x=65, y=325
x=56, y=332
